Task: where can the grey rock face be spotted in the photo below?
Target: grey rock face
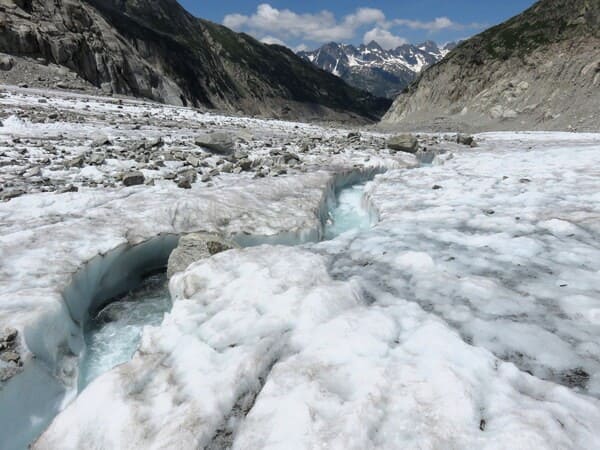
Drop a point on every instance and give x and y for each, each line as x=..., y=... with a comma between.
x=403, y=143
x=534, y=72
x=74, y=34
x=195, y=247
x=156, y=49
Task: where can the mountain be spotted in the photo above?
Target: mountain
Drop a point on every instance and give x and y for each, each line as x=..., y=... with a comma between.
x=539, y=70
x=156, y=49
x=384, y=73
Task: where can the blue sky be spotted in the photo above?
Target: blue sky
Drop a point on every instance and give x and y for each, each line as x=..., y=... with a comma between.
x=309, y=23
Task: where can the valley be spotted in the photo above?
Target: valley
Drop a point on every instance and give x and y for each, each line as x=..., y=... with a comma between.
x=208, y=242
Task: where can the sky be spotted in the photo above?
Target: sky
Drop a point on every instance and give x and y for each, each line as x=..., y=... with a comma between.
x=308, y=24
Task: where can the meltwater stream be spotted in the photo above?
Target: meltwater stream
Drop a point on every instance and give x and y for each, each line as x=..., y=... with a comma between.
x=112, y=336
x=348, y=213
x=113, y=331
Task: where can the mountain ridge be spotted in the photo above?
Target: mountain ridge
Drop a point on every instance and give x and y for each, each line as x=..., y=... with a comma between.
x=156, y=49
x=539, y=70
x=371, y=67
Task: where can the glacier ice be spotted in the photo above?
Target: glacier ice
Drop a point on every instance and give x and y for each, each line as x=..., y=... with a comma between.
x=443, y=325
x=112, y=335
x=465, y=316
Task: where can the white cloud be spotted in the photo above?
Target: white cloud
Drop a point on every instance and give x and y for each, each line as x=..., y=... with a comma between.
x=384, y=38
x=301, y=48
x=319, y=27
x=284, y=25
x=272, y=40
x=235, y=21
x=364, y=16
x=438, y=24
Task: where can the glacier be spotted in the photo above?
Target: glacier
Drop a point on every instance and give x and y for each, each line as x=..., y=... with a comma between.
x=446, y=305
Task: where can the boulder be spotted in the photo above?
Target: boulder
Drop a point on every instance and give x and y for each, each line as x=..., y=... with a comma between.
x=155, y=142
x=10, y=356
x=192, y=161
x=97, y=159
x=9, y=335
x=195, y=247
x=184, y=183
x=67, y=188
x=288, y=157
x=187, y=178
x=133, y=178
x=464, y=139
x=6, y=62
x=227, y=168
x=100, y=141
x=11, y=194
x=403, y=143
x=245, y=164
x=75, y=162
x=354, y=136
x=218, y=143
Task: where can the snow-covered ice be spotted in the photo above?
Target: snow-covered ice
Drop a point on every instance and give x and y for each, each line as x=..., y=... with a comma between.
x=465, y=316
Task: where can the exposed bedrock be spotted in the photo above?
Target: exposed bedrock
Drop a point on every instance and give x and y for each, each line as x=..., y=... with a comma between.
x=539, y=70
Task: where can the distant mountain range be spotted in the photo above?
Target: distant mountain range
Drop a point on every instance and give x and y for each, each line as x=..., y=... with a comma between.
x=384, y=73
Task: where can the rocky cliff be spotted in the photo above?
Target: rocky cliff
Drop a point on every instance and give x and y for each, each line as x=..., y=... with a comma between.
x=155, y=49
x=539, y=70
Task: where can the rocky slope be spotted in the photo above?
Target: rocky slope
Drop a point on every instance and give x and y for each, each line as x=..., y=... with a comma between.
x=538, y=70
x=384, y=73
x=155, y=49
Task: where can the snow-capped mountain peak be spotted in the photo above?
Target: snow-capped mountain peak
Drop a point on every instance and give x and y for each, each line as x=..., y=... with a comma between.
x=373, y=68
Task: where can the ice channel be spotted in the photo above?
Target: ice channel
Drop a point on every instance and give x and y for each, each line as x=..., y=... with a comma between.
x=115, y=295
x=112, y=335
